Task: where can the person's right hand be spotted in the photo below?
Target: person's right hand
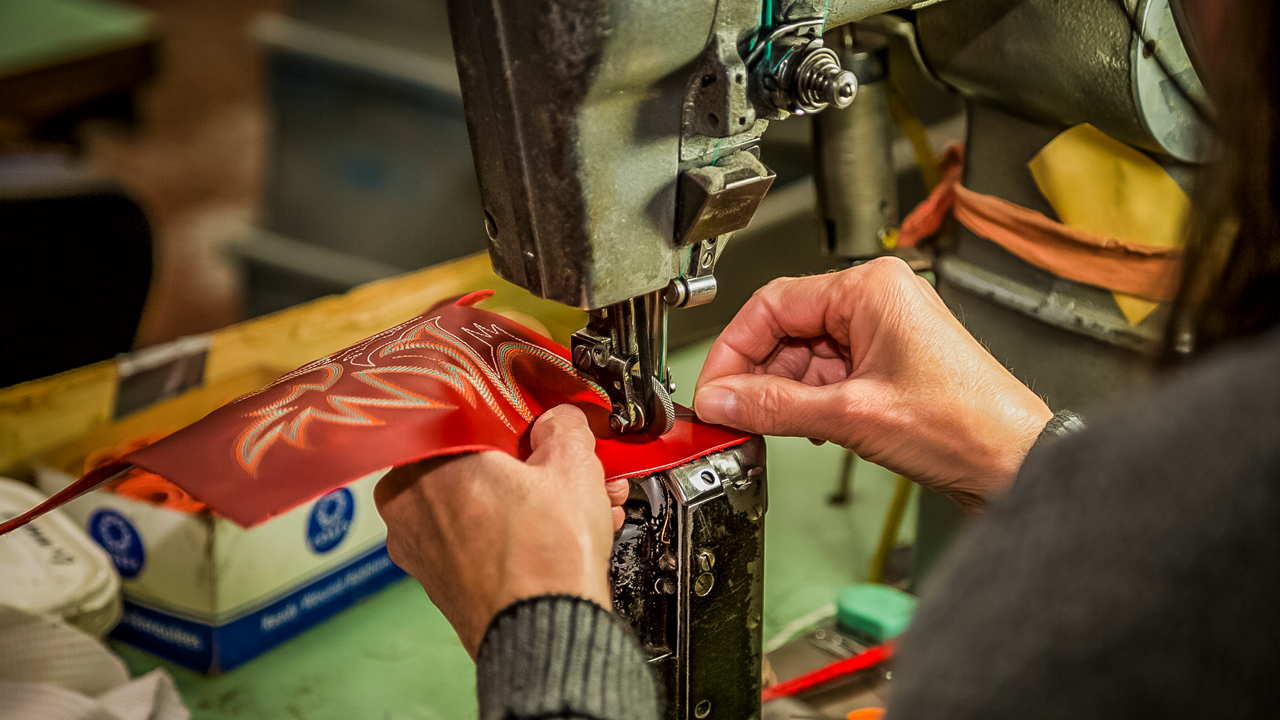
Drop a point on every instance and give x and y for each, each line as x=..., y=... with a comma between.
x=483, y=530
x=870, y=358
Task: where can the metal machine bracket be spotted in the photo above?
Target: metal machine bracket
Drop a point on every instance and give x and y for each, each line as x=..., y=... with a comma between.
x=717, y=104
x=624, y=349
x=713, y=202
x=687, y=576
x=697, y=482
x=719, y=199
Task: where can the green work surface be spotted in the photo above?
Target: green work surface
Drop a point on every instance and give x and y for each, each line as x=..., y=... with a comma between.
x=37, y=33
x=395, y=657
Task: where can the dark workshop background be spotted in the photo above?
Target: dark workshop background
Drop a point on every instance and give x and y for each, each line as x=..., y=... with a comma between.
x=195, y=160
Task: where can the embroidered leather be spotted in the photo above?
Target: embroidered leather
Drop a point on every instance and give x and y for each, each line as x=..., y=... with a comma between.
x=454, y=379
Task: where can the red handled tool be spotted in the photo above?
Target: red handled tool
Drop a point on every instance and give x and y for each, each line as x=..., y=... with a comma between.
x=842, y=668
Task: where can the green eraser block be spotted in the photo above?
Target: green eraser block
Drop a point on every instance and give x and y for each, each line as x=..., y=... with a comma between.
x=878, y=611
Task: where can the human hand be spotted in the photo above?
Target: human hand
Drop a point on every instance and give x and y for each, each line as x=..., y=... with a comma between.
x=483, y=530
x=870, y=358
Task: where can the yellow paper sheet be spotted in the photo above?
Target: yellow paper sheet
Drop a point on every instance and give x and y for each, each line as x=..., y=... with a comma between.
x=1101, y=185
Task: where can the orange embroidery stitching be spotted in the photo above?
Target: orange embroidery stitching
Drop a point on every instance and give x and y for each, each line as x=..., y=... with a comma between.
x=461, y=368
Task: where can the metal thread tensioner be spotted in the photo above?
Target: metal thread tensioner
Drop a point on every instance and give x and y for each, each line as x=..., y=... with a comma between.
x=820, y=81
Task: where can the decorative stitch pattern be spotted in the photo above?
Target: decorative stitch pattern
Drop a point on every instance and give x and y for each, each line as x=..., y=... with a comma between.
x=458, y=365
x=509, y=351
x=261, y=436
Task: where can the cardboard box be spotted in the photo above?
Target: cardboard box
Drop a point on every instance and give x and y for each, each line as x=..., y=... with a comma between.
x=201, y=591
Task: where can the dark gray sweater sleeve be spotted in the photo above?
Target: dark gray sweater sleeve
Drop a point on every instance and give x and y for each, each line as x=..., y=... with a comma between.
x=555, y=656
x=1064, y=423
x=1130, y=572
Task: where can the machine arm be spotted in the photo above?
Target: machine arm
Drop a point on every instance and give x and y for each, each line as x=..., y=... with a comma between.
x=615, y=145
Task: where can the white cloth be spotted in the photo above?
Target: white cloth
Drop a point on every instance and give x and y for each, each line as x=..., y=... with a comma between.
x=52, y=671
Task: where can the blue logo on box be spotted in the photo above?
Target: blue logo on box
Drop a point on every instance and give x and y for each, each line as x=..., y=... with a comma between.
x=114, y=533
x=330, y=520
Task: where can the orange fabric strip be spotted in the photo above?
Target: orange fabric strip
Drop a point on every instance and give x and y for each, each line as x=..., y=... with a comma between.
x=1146, y=271
x=929, y=215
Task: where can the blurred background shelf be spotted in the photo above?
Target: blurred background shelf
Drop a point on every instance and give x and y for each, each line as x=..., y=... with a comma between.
x=369, y=156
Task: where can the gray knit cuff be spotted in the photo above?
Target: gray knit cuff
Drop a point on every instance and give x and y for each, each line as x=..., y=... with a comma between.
x=555, y=656
x=1062, y=424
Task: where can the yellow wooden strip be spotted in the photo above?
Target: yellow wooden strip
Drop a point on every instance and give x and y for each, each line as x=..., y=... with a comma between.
x=163, y=417
x=301, y=334
x=37, y=414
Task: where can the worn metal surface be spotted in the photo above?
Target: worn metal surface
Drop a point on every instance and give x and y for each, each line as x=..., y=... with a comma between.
x=1062, y=304
x=839, y=12
x=853, y=150
x=720, y=199
x=1070, y=63
x=688, y=577
x=574, y=109
x=582, y=114
x=1167, y=91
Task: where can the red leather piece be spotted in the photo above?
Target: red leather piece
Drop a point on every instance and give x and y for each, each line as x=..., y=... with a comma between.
x=454, y=379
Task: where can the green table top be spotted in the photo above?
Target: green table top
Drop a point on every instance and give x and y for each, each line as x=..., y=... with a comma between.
x=395, y=657
x=37, y=33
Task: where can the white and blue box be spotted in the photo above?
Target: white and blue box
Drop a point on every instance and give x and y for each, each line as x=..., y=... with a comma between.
x=207, y=594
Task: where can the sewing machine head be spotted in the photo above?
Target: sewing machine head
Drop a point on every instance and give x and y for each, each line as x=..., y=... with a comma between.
x=615, y=143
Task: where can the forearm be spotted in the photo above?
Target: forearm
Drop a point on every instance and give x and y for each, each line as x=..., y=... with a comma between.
x=562, y=657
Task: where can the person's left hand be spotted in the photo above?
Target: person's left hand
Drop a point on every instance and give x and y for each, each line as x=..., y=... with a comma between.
x=484, y=530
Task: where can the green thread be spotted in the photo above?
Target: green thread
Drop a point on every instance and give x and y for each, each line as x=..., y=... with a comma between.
x=768, y=4
x=716, y=157
x=825, y=8
x=786, y=54
x=759, y=28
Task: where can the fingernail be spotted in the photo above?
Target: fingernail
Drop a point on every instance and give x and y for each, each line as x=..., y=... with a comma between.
x=716, y=405
x=566, y=410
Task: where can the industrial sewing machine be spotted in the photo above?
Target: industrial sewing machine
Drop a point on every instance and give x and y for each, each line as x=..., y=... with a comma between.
x=616, y=145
